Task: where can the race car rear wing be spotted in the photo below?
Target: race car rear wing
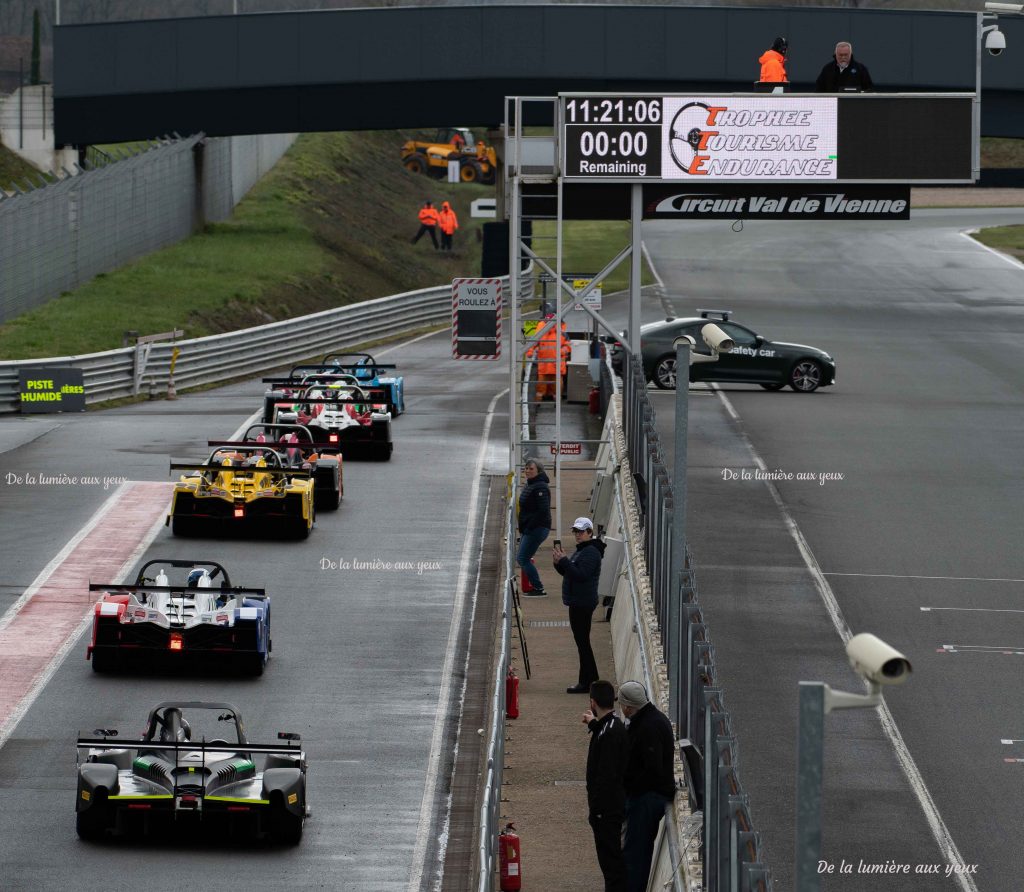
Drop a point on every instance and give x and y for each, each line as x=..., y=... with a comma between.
x=368, y=362
x=289, y=748
x=373, y=394
x=238, y=469
x=180, y=589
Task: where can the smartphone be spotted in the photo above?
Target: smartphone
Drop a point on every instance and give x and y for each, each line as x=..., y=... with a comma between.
x=558, y=543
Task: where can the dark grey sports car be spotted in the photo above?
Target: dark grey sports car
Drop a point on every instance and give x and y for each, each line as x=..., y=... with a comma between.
x=753, y=359
x=193, y=766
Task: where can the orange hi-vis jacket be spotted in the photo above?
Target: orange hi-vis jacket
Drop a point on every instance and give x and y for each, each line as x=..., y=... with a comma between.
x=428, y=216
x=449, y=222
x=773, y=67
x=546, y=350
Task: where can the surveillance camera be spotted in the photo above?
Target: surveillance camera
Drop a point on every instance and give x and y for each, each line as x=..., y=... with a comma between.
x=995, y=42
x=716, y=339
x=683, y=340
x=876, y=661
x=1005, y=7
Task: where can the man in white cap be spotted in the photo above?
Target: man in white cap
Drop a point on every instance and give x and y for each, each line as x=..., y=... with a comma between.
x=580, y=573
x=650, y=779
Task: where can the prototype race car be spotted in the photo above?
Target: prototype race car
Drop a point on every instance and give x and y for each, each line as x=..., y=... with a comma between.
x=753, y=360
x=192, y=768
x=195, y=623
x=367, y=372
x=242, y=489
x=341, y=416
x=295, y=446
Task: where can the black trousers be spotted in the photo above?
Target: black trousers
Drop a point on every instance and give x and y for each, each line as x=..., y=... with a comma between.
x=425, y=228
x=608, y=842
x=579, y=622
x=446, y=241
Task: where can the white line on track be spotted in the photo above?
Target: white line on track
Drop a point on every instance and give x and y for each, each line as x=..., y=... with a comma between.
x=1013, y=261
x=44, y=677
x=60, y=557
x=931, y=811
x=940, y=578
x=441, y=717
x=977, y=609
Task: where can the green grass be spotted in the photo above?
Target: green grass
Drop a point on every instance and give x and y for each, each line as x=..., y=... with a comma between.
x=330, y=225
x=1009, y=239
x=14, y=171
x=587, y=246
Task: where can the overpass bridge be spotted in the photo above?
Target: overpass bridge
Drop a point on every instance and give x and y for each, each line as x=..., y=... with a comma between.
x=407, y=67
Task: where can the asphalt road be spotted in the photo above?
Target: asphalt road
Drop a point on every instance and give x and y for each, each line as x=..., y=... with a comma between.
x=920, y=541
x=362, y=659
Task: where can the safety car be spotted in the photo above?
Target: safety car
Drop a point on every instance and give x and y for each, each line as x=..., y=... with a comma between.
x=296, y=448
x=243, y=489
x=196, y=622
x=753, y=360
x=192, y=769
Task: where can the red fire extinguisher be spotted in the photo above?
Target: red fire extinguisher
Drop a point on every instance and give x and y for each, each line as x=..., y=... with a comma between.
x=594, y=401
x=508, y=857
x=512, y=694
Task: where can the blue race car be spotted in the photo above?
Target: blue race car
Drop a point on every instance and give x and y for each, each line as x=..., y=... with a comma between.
x=368, y=373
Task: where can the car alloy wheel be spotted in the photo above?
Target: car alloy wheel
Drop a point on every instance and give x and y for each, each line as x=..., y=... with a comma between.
x=806, y=376
x=664, y=375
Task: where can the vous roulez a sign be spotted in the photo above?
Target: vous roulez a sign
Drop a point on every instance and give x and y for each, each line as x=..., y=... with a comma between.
x=51, y=390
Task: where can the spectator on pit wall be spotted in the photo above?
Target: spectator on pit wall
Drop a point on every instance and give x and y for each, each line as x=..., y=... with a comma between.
x=650, y=779
x=580, y=574
x=606, y=796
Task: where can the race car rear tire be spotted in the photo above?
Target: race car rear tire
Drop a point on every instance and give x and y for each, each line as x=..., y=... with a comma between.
x=287, y=828
x=805, y=376
x=92, y=824
x=328, y=499
x=253, y=664
x=384, y=453
x=103, y=661
x=664, y=372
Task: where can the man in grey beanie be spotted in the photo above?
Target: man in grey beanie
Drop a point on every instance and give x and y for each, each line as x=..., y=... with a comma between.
x=650, y=779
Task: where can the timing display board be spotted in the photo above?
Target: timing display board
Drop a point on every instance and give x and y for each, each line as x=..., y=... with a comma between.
x=783, y=138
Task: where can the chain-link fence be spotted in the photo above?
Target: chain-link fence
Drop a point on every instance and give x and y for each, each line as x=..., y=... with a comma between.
x=57, y=237
x=732, y=852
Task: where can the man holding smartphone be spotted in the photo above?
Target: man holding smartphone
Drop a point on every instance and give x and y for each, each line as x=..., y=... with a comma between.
x=580, y=572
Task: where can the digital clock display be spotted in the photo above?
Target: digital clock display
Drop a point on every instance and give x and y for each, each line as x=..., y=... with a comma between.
x=697, y=139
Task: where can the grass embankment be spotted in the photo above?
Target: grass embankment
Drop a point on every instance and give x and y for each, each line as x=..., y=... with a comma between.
x=587, y=246
x=14, y=171
x=329, y=226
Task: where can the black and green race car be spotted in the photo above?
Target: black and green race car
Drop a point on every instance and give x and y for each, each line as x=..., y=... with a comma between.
x=192, y=767
x=752, y=360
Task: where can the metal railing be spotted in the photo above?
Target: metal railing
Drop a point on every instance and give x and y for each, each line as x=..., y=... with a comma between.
x=733, y=856
x=145, y=369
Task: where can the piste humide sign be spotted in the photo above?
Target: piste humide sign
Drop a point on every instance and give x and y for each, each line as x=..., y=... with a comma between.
x=776, y=202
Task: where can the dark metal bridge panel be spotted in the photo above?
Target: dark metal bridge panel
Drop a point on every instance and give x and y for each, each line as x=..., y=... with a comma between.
x=423, y=66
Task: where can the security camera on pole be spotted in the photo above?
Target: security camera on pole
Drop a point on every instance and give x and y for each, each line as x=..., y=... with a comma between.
x=994, y=41
x=878, y=664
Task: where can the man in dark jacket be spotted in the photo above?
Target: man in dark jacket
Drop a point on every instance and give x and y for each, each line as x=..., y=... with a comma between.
x=650, y=779
x=843, y=73
x=534, y=522
x=580, y=574
x=606, y=796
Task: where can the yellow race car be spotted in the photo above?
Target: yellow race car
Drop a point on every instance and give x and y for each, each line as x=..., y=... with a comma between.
x=242, y=489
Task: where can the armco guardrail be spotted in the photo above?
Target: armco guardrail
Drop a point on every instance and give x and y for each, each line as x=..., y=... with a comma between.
x=145, y=369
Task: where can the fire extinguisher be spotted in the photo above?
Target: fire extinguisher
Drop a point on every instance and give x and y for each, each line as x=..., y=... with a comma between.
x=512, y=694
x=509, y=858
x=594, y=401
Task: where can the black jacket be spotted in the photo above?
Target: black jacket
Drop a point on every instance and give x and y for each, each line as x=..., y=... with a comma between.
x=606, y=764
x=535, y=504
x=650, y=767
x=832, y=80
x=580, y=572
